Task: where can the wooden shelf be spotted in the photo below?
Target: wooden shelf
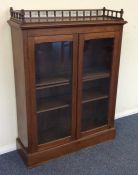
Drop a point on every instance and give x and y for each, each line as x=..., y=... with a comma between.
x=50, y=103
x=95, y=76
x=52, y=83
x=93, y=96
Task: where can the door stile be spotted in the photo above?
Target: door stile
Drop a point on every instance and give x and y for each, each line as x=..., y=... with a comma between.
x=74, y=85
x=80, y=75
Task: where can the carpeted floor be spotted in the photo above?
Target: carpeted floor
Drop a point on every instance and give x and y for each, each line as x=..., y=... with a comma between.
x=117, y=157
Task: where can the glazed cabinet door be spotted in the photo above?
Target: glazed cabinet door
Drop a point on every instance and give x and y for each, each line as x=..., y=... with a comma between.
x=97, y=80
x=54, y=80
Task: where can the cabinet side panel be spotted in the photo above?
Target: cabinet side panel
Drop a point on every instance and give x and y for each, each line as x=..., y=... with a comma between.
x=19, y=72
x=114, y=76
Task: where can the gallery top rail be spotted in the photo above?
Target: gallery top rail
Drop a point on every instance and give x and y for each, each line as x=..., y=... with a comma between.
x=22, y=15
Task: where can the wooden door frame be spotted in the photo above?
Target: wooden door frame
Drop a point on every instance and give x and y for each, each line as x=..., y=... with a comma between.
x=33, y=117
x=116, y=35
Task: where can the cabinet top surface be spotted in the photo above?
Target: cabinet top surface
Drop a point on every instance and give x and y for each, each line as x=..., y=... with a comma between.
x=47, y=18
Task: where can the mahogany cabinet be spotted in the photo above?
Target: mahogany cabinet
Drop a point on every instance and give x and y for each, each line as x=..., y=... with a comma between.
x=66, y=66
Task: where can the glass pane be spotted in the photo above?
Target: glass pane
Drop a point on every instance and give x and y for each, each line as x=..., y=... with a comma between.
x=94, y=114
x=54, y=125
x=53, y=90
x=53, y=98
x=95, y=90
x=98, y=55
x=96, y=82
x=53, y=61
